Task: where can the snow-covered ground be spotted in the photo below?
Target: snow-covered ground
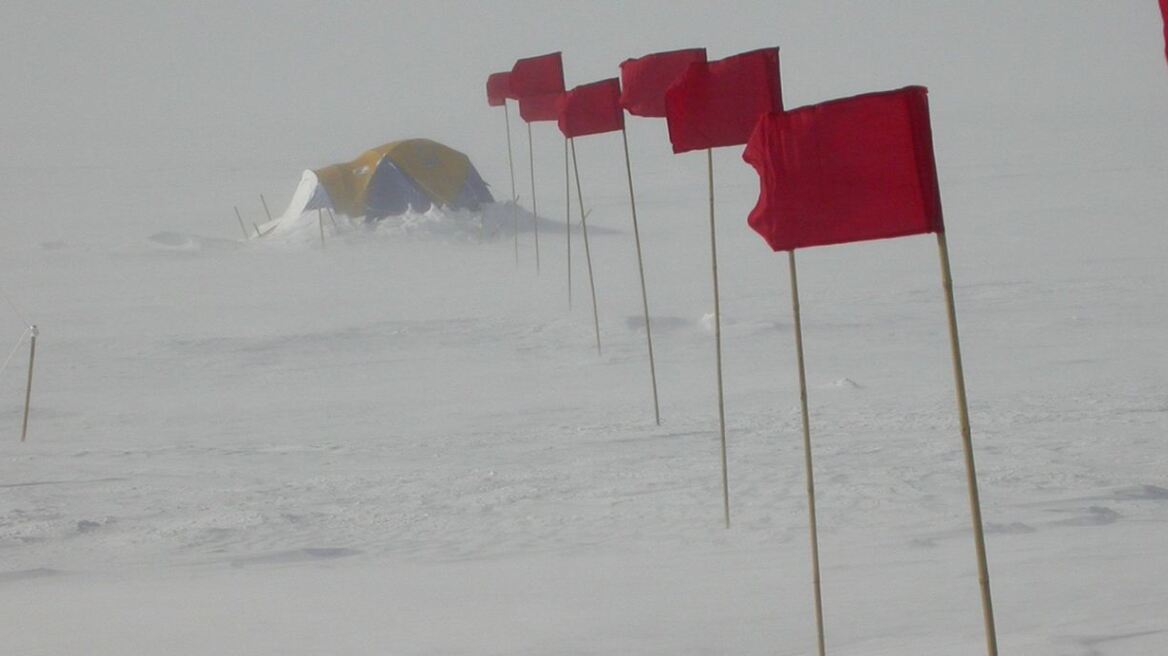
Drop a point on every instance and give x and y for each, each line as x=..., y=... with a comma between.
x=404, y=444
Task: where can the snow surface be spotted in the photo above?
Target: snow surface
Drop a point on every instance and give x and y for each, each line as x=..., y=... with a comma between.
x=404, y=444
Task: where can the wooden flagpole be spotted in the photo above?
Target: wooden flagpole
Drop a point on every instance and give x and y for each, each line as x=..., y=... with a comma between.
x=28, y=389
x=568, y=218
x=641, y=267
x=718, y=340
x=983, y=574
x=534, y=209
x=241, y=226
x=266, y=211
x=511, y=168
x=810, y=473
x=587, y=251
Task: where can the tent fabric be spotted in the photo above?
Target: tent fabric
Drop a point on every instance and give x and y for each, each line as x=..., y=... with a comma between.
x=411, y=174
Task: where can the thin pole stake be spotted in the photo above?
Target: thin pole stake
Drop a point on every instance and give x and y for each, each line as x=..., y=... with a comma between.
x=511, y=168
x=241, y=226
x=587, y=251
x=28, y=388
x=320, y=222
x=332, y=217
x=983, y=573
x=266, y=211
x=718, y=340
x=807, y=452
x=568, y=219
x=641, y=267
x=534, y=210
x=257, y=229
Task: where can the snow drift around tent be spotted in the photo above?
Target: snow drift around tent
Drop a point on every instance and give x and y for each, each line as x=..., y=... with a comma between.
x=404, y=176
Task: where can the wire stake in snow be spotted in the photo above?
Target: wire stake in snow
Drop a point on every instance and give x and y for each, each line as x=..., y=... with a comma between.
x=568, y=219
x=641, y=268
x=587, y=252
x=534, y=208
x=718, y=340
x=266, y=210
x=320, y=222
x=28, y=389
x=810, y=470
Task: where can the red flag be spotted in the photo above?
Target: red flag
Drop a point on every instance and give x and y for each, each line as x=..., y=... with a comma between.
x=537, y=76
x=717, y=104
x=1164, y=12
x=592, y=109
x=846, y=170
x=498, y=88
x=645, y=79
x=540, y=108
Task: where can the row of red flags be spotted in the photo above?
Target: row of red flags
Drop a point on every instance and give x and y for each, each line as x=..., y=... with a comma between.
x=846, y=170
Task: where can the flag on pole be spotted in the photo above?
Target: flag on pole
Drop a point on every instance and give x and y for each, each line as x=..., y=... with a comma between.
x=1164, y=12
x=540, y=108
x=537, y=76
x=846, y=170
x=498, y=88
x=718, y=103
x=645, y=79
x=591, y=109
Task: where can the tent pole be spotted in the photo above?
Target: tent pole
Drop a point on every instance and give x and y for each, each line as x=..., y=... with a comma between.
x=28, y=388
x=568, y=219
x=718, y=340
x=241, y=226
x=511, y=168
x=641, y=268
x=534, y=210
x=983, y=574
x=587, y=251
x=266, y=211
x=810, y=473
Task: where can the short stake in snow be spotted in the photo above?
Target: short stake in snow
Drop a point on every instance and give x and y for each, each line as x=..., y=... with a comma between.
x=241, y=226
x=266, y=210
x=849, y=170
x=28, y=388
x=320, y=222
x=699, y=118
x=595, y=109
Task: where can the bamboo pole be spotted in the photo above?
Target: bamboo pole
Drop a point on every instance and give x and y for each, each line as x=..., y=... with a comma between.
x=534, y=210
x=568, y=219
x=641, y=268
x=514, y=198
x=320, y=222
x=814, y=529
x=587, y=251
x=241, y=226
x=983, y=574
x=718, y=340
x=266, y=211
x=28, y=389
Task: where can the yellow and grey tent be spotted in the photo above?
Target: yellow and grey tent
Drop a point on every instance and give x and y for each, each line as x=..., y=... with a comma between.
x=413, y=174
